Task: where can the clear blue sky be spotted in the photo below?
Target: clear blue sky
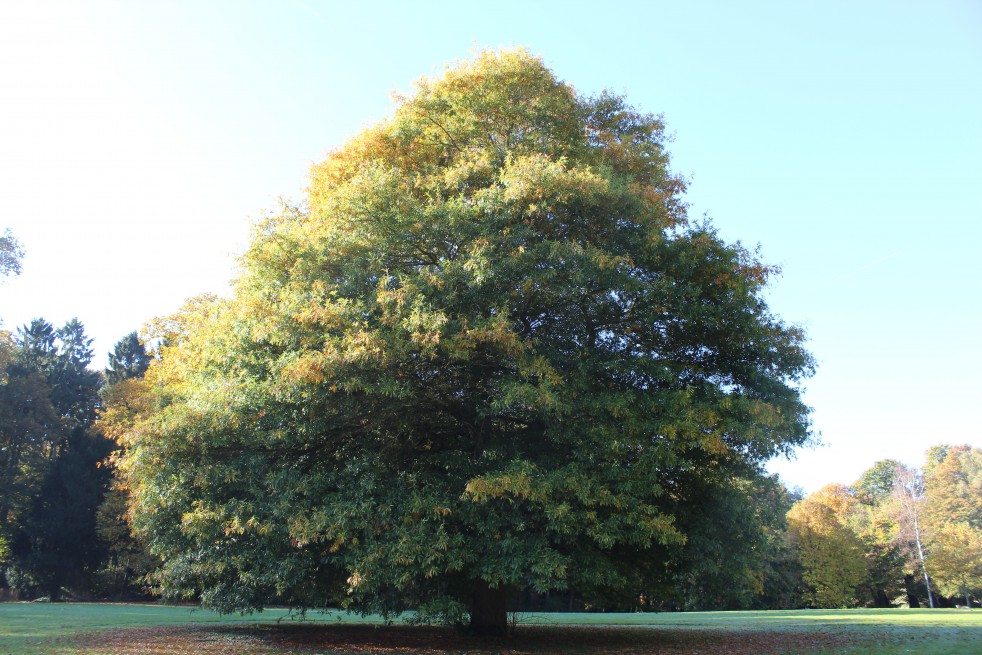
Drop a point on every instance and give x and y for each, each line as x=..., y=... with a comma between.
x=138, y=140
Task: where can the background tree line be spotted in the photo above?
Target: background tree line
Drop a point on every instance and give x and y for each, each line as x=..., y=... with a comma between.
x=62, y=518
x=897, y=535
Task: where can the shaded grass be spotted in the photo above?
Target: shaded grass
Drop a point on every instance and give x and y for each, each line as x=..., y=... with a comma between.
x=101, y=629
x=348, y=639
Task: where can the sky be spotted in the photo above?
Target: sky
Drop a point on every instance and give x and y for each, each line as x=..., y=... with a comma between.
x=140, y=141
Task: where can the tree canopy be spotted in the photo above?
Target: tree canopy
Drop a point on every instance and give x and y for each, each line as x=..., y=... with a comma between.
x=953, y=519
x=831, y=553
x=11, y=254
x=490, y=352
x=129, y=359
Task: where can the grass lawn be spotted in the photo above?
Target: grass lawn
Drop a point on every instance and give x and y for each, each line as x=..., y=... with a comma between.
x=118, y=629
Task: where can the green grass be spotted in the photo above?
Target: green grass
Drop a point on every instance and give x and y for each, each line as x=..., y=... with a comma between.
x=772, y=619
x=48, y=629
x=25, y=628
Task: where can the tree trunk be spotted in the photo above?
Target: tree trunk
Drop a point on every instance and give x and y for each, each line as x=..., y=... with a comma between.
x=909, y=586
x=908, y=488
x=489, y=609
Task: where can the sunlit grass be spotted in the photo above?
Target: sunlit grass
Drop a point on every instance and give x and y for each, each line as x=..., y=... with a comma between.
x=772, y=619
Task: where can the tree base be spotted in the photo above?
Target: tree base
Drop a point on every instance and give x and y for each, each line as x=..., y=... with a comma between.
x=489, y=610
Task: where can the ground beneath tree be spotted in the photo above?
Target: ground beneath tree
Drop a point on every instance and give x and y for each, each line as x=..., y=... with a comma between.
x=359, y=639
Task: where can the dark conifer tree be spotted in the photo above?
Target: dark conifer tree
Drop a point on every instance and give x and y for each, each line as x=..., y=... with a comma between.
x=54, y=541
x=129, y=359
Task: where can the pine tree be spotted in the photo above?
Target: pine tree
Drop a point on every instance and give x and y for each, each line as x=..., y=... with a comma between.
x=54, y=541
x=129, y=359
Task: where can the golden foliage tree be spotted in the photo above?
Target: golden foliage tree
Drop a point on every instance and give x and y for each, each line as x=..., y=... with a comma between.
x=831, y=552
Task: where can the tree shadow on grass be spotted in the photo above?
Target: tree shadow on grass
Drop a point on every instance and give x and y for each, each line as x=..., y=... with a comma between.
x=307, y=639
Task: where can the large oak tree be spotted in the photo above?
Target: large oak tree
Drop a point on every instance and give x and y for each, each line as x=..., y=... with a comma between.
x=489, y=352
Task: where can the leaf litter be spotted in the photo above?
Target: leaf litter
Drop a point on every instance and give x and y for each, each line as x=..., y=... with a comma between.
x=368, y=640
